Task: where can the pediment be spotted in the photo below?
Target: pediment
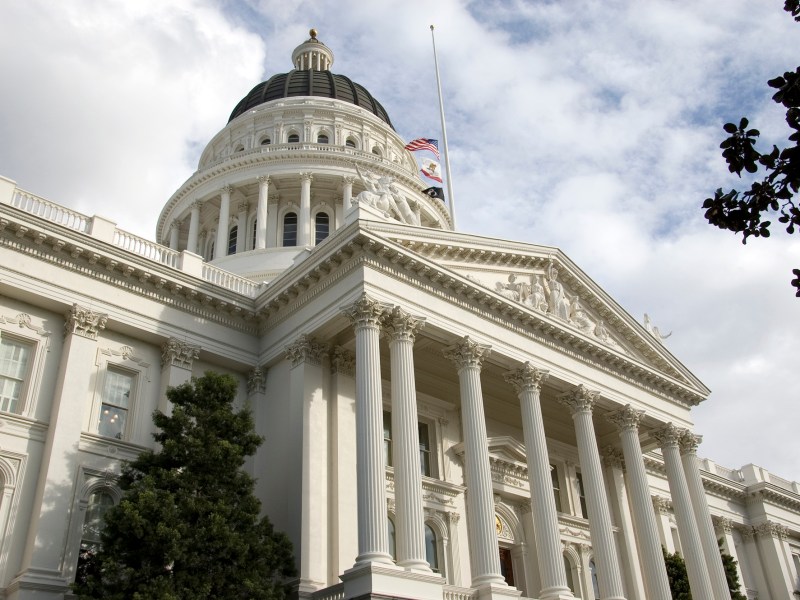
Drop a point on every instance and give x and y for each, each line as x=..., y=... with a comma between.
x=542, y=287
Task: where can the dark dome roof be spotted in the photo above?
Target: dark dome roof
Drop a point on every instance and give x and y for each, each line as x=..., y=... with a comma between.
x=310, y=83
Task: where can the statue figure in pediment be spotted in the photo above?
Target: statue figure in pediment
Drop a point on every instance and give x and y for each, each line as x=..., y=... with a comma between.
x=506, y=292
x=578, y=316
x=653, y=330
x=382, y=194
x=557, y=302
x=537, y=297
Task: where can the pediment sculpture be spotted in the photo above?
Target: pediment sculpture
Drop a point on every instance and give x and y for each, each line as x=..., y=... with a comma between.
x=383, y=195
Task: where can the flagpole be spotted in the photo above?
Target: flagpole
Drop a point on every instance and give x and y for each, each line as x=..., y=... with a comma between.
x=444, y=136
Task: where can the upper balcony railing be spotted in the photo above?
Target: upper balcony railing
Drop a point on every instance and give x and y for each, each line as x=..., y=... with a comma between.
x=107, y=231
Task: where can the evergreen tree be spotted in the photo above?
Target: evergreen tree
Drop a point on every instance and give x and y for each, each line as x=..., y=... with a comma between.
x=729, y=564
x=678, y=578
x=188, y=525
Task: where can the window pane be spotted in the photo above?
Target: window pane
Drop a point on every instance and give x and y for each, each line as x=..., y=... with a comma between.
x=290, y=229
x=582, y=496
x=350, y=143
x=14, y=357
x=99, y=503
x=294, y=138
x=387, y=439
x=556, y=487
x=321, y=227
x=424, y=449
x=392, y=543
x=430, y=548
x=116, y=400
x=255, y=234
x=232, y=235
x=322, y=139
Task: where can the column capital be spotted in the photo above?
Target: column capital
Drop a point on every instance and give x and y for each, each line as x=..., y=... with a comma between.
x=349, y=179
x=579, y=400
x=365, y=312
x=176, y=224
x=306, y=349
x=343, y=361
x=613, y=457
x=263, y=179
x=467, y=353
x=669, y=435
x=197, y=204
x=256, y=381
x=84, y=322
x=527, y=377
x=724, y=523
x=176, y=353
x=306, y=176
x=627, y=418
x=401, y=325
x=243, y=206
x=661, y=504
x=771, y=528
x=689, y=442
x=226, y=189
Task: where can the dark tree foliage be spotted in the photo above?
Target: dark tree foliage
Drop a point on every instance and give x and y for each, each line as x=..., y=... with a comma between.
x=729, y=564
x=748, y=212
x=188, y=525
x=676, y=573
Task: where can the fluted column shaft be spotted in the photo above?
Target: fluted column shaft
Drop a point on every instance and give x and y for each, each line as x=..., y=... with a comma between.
x=401, y=328
x=194, y=228
x=347, y=191
x=221, y=244
x=581, y=402
x=708, y=539
x=373, y=543
x=699, y=581
x=644, y=519
x=241, y=228
x=304, y=218
x=261, y=213
x=468, y=357
x=527, y=381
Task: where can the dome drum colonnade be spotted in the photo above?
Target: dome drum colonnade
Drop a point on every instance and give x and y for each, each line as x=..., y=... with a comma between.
x=369, y=317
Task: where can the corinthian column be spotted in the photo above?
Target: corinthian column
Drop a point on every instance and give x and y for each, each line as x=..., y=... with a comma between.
x=373, y=543
x=528, y=382
x=194, y=227
x=304, y=218
x=691, y=470
x=580, y=403
x=644, y=519
x=669, y=438
x=468, y=357
x=221, y=245
x=402, y=328
x=261, y=212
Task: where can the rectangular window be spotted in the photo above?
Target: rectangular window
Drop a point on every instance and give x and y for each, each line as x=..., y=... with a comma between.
x=424, y=450
x=582, y=495
x=14, y=359
x=117, y=391
x=387, y=438
x=556, y=486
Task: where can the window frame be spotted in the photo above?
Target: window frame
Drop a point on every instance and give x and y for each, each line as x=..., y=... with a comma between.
x=282, y=233
x=37, y=338
x=233, y=238
x=124, y=361
x=317, y=240
x=433, y=448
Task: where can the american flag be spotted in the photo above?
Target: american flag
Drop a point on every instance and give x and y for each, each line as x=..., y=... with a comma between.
x=424, y=144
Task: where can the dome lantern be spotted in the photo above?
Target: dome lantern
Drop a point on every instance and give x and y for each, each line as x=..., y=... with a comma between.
x=312, y=55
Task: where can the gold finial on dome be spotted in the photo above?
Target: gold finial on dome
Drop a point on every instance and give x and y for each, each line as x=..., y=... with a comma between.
x=313, y=33
x=312, y=55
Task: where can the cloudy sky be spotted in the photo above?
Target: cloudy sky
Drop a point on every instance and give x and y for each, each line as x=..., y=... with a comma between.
x=589, y=125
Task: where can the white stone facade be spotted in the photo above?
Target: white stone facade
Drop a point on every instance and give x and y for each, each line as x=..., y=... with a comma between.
x=538, y=438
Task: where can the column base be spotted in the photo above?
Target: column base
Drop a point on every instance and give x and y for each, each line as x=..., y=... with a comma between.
x=38, y=584
x=376, y=580
x=492, y=591
x=558, y=593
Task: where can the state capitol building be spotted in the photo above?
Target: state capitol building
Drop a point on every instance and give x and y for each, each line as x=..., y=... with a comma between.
x=446, y=416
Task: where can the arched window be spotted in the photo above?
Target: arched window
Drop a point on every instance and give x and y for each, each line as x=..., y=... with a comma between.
x=93, y=523
x=322, y=138
x=322, y=227
x=376, y=151
x=239, y=148
x=293, y=138
x=350, y=143
x=595, y=585
x=568, y=573
x=431, y=548
x=255, y=233
x=392, y=542
x=290, y=229
x=266, y=141
x=232, y=236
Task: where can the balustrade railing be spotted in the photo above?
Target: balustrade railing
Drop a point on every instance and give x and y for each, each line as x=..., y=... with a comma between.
x=334, y=592
x=452, y=592
x=50, y=211
x=146, y=248
x=228, y=280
